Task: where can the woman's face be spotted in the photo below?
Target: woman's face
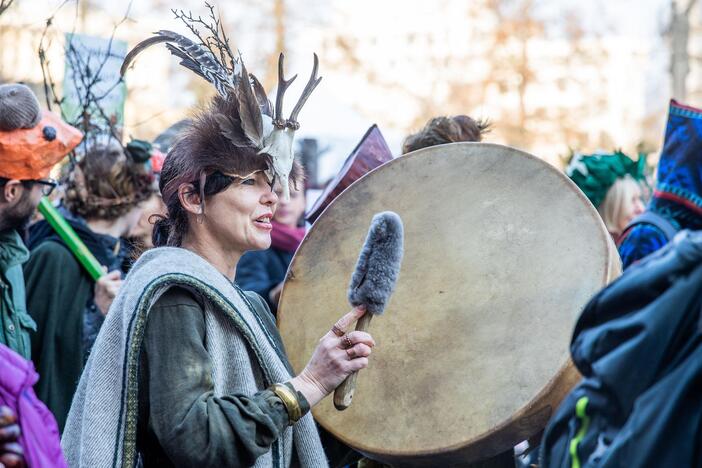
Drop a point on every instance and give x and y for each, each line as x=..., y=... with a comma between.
x=240, y=216
x=143, y=229
x=289, y=212
x=632, y=207
x=132, y=219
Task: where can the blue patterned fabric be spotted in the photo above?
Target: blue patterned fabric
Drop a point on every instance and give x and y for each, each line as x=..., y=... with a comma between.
x=678, y=193
x=643, y=239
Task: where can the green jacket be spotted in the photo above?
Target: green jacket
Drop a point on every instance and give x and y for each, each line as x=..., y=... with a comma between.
x=15, y=323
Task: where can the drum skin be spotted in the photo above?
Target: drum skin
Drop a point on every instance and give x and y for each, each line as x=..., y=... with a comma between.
x=502, y=251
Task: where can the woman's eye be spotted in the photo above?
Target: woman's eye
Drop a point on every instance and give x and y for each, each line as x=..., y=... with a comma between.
x=248, y=181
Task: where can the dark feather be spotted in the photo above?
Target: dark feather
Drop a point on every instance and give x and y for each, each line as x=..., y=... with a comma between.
x=263, y=101
x=211, y=69
x=231, y=131
x=193, y=56
x=249, y=111
x=186, y=61
x=139, y=48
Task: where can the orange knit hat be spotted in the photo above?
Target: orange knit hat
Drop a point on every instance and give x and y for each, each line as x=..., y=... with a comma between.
x=30, y=153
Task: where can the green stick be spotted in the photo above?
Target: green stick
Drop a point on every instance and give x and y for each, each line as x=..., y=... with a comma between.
x=69, y=236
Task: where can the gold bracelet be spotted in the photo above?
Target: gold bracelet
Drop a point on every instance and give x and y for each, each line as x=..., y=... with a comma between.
x=289, y=399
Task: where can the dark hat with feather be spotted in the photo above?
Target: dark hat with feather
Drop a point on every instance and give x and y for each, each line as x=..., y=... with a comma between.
x=241, y=113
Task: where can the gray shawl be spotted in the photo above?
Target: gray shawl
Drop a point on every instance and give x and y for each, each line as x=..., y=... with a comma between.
x=102, y=423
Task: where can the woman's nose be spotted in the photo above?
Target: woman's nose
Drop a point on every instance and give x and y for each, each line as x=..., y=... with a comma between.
x=269, y=197
x=639, y=208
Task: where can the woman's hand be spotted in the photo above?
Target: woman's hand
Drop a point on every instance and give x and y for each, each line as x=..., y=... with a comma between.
x=333, y=360
x=106, y=289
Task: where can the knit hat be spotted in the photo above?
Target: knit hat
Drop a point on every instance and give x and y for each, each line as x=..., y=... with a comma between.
x=594, y=174
x=19, y=107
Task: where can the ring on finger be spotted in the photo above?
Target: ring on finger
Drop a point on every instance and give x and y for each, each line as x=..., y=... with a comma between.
x=337, y=331
x=347, y=342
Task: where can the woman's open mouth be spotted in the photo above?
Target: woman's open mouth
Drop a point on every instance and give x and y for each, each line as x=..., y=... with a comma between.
x=264, y=222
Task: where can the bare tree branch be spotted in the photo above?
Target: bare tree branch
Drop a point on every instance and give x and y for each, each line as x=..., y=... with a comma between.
x=87, y=73
x=4, y=5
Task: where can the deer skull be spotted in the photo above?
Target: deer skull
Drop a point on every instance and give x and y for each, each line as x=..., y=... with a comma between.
x=279, y=133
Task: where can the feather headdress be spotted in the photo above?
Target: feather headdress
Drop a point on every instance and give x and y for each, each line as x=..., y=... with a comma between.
x=258, y=124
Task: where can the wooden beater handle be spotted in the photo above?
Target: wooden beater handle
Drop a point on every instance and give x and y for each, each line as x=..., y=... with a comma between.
x=344, y=392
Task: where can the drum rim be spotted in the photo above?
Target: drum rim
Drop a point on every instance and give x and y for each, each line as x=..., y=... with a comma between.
x=610, y=271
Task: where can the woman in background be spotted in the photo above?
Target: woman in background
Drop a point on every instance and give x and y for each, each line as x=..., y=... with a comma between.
x=102, y=204
x=612, y=182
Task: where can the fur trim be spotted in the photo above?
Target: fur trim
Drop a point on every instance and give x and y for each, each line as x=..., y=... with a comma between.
x=378, y=266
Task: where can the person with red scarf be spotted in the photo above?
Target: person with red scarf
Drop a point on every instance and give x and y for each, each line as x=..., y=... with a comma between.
x=263, y=271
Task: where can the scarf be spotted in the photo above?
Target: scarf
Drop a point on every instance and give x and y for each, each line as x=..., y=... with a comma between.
x=102, y=424
x=285, y=237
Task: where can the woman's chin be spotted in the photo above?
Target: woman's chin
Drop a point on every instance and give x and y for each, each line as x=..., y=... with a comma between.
x=261, y=242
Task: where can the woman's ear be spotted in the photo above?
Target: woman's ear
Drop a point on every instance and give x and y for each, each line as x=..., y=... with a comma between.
x=190, y=199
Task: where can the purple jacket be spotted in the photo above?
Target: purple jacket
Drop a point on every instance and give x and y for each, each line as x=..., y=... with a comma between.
x=40, y=437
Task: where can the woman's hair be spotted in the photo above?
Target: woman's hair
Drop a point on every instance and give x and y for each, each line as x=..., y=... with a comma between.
x=613, y=207
x=441, y=130
x=107, y=183
x=205, y=157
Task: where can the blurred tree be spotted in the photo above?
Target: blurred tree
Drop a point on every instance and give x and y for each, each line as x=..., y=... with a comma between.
x=679, y=33
x=509, y=62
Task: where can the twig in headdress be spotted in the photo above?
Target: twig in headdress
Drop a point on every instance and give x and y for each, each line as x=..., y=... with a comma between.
x=216, y=41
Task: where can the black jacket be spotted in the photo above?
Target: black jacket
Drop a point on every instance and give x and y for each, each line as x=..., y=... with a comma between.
x=60, y=300
x=262, y=270
x=638, y=345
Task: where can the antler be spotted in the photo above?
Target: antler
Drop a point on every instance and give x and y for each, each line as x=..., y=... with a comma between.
x=311, y=84
x=283, y=85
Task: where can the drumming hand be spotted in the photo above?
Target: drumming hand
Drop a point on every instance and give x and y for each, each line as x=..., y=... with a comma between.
x=333, y=360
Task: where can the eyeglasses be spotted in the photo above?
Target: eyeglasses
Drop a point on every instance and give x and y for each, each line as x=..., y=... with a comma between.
x=48, y=186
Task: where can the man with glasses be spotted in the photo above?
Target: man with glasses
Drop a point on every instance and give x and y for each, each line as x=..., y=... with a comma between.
x=31, y=143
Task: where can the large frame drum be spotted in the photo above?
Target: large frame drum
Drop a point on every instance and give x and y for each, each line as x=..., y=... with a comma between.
x=502, y=251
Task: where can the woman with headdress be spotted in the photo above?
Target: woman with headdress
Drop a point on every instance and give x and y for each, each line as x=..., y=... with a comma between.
x=188, y=369
x=612, y=183
x=102, y=204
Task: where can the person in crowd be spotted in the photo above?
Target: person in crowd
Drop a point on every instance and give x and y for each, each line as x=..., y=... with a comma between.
x=102, y=203
x=140, y=237
x=263, y=271
x=11, y=452
x=31, y=143
x=612, y=183
x=188, y=369
x=28, y=432
x=442, y=130
x=676, y=203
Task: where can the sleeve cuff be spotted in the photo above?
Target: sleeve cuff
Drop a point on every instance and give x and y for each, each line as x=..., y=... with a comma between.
x=302, y=401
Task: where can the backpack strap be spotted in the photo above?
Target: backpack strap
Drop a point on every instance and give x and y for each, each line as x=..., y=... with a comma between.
x=650, y=217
